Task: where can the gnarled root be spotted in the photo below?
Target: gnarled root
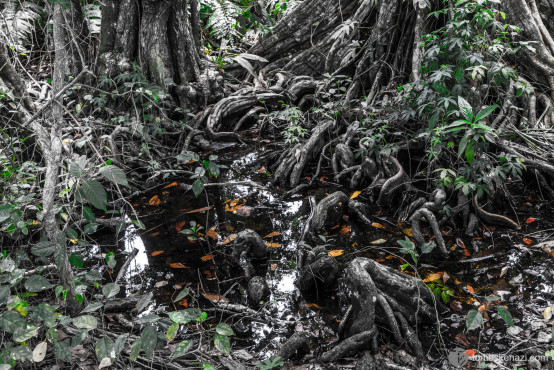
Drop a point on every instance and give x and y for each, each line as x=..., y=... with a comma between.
x=492, y=218
x=392, y=182
x=329, y=211
x=248, y=246
x=320, y=269
x=395, y=297
x=426, y=211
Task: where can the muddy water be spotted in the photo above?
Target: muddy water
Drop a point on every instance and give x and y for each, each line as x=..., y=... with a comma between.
x=503, y=264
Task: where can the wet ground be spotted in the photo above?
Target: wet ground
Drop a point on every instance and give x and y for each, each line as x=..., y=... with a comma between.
x=515, y=266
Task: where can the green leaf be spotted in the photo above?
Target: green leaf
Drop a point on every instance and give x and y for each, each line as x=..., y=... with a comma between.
x=88, y=214
x=185, y=316
x=469, y=152
x=462, y=145
x=25, y=333
x=85, y=322
x=71, y=233
x=43, y=249
x=445, y=297
x=135, y=349
x=4, y=294
x=224, y=329
x=181, y=349
x=120, y=343
x=115, y=175
x=110, y=290
x=94, y=193
x=182, y=294
x=104, y=348
x=485, y=112
x=474, y=320
x=92, y=307
x=110, y=260
x=427, y=247
x=465, y=108
x=37, y=283
x=197, y=187
x=506, y=315
x=172, y=332
x=79, y=337
x=76, y=260
x=222, y=343
x=61, y=350
x=144, y=301
x=148, y=340
x=10, y=321
x=493, y=298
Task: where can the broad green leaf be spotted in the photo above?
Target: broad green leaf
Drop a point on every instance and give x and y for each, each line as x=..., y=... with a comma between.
x=43, y=249
x=92, y=307
x=462, y=145
x=115, y=175
x=182, y=294
x=76, y=260
x=144, y=301
x=88, y=214
x=465, y=108
x=71, y=233
x=222, y=343
x=86, y=322
x=469, y=152
x=474, y=320
x=79, y=337
x=61, y=350
x=25, y=333
x=94, y=193
x=4, y=294
x=224, y=329
x=135, y=349
x=197, y=187
x=110, y=260
x=185, y=316
x=427, y=247
x=120, y=343
x=181, y=349
x=104, y=348
x=149, y=340
x=172, y=332
x=506, y=315
x=37, y=283
x=110, y=290
x=485, y=112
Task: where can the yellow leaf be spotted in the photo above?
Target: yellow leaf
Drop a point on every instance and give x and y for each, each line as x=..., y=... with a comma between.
x=312, y=305
x=355, y=194
x=207, y=257
x=433, y=277
x=378, y=225
x=274, y=245
x=336, y=252
x=547, y=314
x=408, y=232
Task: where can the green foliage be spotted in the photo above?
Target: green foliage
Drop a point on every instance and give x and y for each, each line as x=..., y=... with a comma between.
x=269, y=364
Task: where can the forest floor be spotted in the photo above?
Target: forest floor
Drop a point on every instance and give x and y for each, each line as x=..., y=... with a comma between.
x=512, y=265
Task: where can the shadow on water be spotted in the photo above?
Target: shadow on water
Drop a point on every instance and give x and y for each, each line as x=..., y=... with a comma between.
x=168, y=261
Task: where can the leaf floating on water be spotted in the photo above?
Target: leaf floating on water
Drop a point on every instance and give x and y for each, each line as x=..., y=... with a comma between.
x=527, y=241
x=173, y=184
x=377, y=225
x=355, y=194
x=157, y=253
x=211, y=233
x=275, y=233
x=273, y=245
x=160, y=284
x=154, y=201
x=530, y=220
x=178, y=265
x=336, y=252
x=345, y=230
x=215, y=297
x=408, y=232
x=207, y=257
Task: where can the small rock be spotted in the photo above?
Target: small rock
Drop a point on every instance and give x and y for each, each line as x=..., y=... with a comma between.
x=544, y=337
x=537, y=325
x=514, y=330
x=534, y=363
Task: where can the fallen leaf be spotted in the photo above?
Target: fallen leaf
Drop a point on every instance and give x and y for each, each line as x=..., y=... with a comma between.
x=445, y=277
x=336, y=252
x=178, y=265
x=155, y=234
x=171, y=185
x=530, y=220
x=335, y=227
x=273, y=245
x=433, y=277
x=160, y=284
x=462, y=339
x=157, y=253
x=470, y=352
x=234, y=209
x=275, y=233
x=154, y=201
x=184, y=302
x=470, y=289
x=262, y=170
x=244, y=211
x=215, y=297
x=408, y=232
x=273, y=266
x=482, y=308
x=203, y=209
x=378, y=225
x=207, y=257
x=180, y=225
x=345, y=230
x=456, y=306
x=229, y=239
x=355, y=194
x=527, y=241
x=312, y=305
x=547, y=314
x=323, y=178
x=379, y=241
x=211, y=233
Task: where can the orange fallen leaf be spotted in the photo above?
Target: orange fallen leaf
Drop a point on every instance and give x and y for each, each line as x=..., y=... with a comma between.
x=184, y=302
x=180, y=225
x=336, y=252
x=154, y=201
x=273, y=266
x=157, y=253
x=215, y=297
x=323, y=178
x=275, y=233
x=155, y=234
x=470, y=352
x=274, y=245
x=207, y=257
x=481, y=308
x=433, y=277
x=345, y=230
x=470, y=289
x=527, y=241
x=335, y=227
x=178, y=265
x=355, y=194
x=530, y=220
x=378, y=225
x=262, y=170
x=408, y=232
x=171, y=185
x=211, y=233
x=462, y=339
x=312, y=305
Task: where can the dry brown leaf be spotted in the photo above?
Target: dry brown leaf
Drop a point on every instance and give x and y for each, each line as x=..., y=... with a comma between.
x=530, y=220
x=336, y=252
x=345, y=230
x=154, y=201
x=207, y=257
x=215, y=297
x=203, y=209
x=178, y=265
x=275, y=233
x=378, y=225
x=527, y=241
x=211, y=233
x=470, y=289
x=160, y=284
x=433, y=277
x=157, y=253
x=274, y=245
x=180, y=225
x=408, y=232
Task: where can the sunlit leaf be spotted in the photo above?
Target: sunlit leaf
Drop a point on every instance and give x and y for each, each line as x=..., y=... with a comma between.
x=336, y=252
x=379, y=241
x=273, y=245
x=275, y=233
x=154, y=201
x=178, y=265
x=433, y=277
x=470, y=289
x=527, y=241
x=345, y=230
x=408, y=232
x=377, y=225
x=157, y=253
x=181, y=349
x=355, y=194
x=85, y=322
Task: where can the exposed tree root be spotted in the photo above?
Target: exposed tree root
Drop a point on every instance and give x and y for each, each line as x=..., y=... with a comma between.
x=492, y=218
x=426, y=211
x=248, y=245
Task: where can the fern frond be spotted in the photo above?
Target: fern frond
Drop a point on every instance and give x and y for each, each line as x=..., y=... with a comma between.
x=222, y=21
x=17, y=22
